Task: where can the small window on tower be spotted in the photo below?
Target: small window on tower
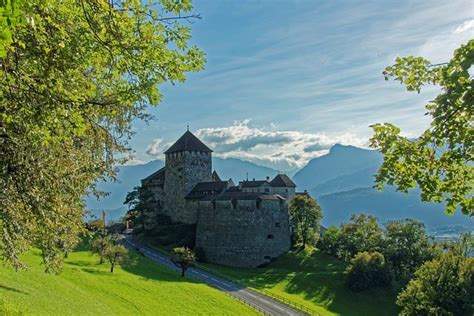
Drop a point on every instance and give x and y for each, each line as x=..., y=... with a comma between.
x=267, y=258
x=277, y=224
x=269, y=236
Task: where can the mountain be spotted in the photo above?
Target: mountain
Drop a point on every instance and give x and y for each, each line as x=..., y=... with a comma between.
x=389, y=205
x=237, y=169
x=130, y=176
x=340, y=161
x=342, y=183
x=361, y=178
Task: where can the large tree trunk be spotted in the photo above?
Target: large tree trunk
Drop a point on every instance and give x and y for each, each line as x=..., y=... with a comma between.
x=112, y=268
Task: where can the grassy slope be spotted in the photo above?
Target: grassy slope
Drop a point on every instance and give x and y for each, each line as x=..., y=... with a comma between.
x=86, y=288
x=316, y=280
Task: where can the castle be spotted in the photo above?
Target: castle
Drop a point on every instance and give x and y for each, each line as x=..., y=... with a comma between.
x=244, y=225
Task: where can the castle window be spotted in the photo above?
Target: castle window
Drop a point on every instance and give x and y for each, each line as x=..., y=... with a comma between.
x=277, y=224
x=267, y=190
x=286, y=190
x=269, y=236
x=214, y=204
x=267, y=258
x=258, y=203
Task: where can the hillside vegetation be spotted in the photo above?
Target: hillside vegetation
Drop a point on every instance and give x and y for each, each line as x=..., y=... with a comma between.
x=86, y=288
x=315, y=280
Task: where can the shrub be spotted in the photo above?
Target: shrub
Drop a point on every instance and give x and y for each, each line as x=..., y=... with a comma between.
x=331, y=241
x=407, y=247
x=443, y=286
x=367, y=270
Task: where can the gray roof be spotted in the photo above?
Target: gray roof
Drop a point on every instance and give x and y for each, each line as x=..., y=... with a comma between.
x=188, y=142
x=282, y=180
x=215, y=176
x=158, y=176
x=239, y=195
x=203, y=189
x=254, y=183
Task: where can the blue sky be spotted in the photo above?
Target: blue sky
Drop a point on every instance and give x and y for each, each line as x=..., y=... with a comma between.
x=285, y=80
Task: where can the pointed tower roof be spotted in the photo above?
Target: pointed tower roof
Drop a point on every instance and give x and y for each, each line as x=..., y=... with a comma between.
x=282, y=180
x=188, y=142
x=215, y=176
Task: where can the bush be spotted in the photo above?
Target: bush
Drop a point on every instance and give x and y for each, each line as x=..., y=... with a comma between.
x=331, y=241
x=367, y=270
x=407, y=247
x=443, y=286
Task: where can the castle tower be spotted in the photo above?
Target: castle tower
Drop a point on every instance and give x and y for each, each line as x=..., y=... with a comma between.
x=188, y=162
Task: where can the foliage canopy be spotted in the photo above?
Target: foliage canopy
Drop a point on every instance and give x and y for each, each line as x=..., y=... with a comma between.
x=305, y=214
x=75, y=76
x=441, y=160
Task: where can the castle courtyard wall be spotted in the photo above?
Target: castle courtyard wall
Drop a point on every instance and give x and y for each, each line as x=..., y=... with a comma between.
x=244, y=236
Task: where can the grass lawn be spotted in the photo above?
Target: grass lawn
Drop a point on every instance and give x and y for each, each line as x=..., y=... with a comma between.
x=86, y=288
x=315, y=280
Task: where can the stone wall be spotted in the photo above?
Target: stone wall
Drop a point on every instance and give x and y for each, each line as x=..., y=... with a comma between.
x=287, y=192
x=183, y=171
x=244, y=235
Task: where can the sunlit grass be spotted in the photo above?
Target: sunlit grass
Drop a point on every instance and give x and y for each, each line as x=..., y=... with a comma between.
x=315, y=280
x=86, y=288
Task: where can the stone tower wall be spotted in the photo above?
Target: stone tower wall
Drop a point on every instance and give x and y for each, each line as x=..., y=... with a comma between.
x=245, y=236
x=183, y=171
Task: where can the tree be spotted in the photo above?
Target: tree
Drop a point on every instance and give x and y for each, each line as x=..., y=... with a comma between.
x=10, y=16
x=305, y=216
x=100, y=242
x=362, y=233
x=367, y=270
x=439, y=161
x=407, y=247
x=115, y=254
x=443, y=286
x=183, y=258
x=75, y=76
x=139, y=202
x=332, y=241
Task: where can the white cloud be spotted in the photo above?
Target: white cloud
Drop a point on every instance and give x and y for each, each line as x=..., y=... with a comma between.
x=282, y=150
x=466, y=26
x=155, y=148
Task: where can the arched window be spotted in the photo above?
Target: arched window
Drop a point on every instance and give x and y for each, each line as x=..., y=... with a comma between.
x=258, y=203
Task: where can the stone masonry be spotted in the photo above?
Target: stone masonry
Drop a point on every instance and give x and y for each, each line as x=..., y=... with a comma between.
x=244, y=225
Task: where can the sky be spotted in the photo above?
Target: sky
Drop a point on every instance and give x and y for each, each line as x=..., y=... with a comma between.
x=286, y=80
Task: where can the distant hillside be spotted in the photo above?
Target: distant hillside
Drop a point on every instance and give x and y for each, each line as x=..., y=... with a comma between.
x=361, y=178
x=388, y=205
x=340, y=161
x=237, y=169
x=130, y=176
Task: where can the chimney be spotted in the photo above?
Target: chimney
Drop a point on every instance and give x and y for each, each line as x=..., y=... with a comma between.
x=253, y=179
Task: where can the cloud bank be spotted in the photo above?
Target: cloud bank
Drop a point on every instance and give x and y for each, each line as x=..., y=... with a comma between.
x=282, y=150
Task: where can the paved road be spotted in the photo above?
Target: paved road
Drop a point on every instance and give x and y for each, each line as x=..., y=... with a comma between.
x=263, y=303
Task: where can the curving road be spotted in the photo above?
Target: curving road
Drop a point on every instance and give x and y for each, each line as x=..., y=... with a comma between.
x=263, y=303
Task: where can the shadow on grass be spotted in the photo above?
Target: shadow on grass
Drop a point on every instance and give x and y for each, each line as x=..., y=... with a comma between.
x=316, y=277
x=7, y=288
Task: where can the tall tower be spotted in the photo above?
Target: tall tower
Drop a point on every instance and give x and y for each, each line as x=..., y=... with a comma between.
x=188, y=162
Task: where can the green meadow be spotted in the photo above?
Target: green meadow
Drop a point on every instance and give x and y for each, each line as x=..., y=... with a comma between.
x=315, y=280
x=87, y=288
